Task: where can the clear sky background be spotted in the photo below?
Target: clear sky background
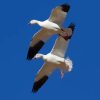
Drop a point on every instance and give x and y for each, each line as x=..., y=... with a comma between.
x=17, y=74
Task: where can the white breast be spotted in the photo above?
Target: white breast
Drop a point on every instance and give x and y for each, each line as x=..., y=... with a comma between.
x=53, y=59
x=50, y=25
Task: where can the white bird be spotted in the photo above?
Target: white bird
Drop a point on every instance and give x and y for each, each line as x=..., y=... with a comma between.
x=50, y=27
x=54, y=59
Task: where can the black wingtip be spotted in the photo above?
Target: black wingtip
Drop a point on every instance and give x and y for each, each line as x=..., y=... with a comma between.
x=30, y=54
x=39, y=83
x=72, y=26
x=65, y=7
x=34, y=50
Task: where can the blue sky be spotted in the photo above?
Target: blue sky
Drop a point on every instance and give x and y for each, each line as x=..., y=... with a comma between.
x=17, y=74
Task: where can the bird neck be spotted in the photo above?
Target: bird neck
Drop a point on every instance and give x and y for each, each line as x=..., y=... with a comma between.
x=41, y=56
x=44, y=57
x=39, y=22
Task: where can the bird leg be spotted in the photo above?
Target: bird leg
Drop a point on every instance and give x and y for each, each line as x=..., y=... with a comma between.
x=62, y=74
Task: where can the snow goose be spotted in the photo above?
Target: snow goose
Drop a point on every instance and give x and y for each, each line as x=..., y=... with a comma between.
x=49, y=27
x=54, y=59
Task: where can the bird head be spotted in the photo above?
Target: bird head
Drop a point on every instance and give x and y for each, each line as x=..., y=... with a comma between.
x=33, y=22
x=38, y=56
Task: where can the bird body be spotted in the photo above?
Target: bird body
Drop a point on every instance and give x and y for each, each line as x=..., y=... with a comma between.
x=47, y=25
x=56, y=61
x=50, y=58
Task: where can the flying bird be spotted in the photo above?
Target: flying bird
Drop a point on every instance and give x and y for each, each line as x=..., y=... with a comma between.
x=54, y=59
x=50, y=27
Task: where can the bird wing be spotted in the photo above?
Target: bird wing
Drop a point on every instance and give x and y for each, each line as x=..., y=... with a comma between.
x=59, y=13
x=37, y=42
x=61, y=44
x=42, y=76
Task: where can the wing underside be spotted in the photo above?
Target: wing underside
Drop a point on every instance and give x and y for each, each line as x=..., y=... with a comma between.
x=61, y=43
x=37, y=42
x=42, y=76
x=60, y=47
x=59, y=13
